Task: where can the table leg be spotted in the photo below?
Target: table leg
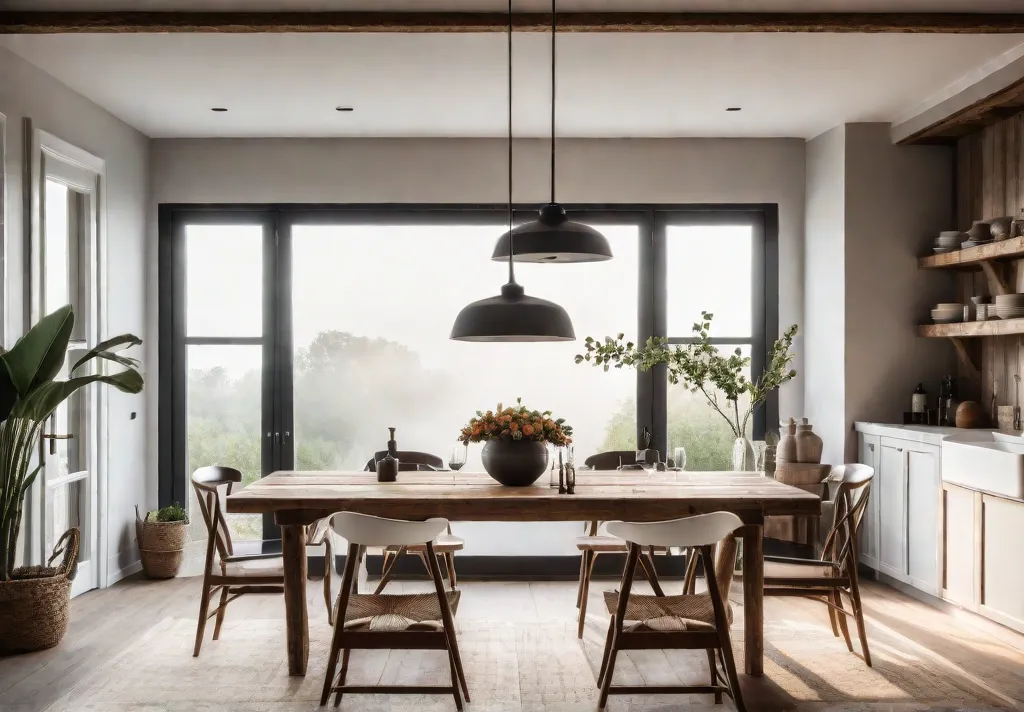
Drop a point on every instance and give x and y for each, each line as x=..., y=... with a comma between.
x=753, y=599
x=293, y=549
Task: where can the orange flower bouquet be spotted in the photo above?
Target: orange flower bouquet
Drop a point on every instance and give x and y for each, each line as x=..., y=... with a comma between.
x=518, y=423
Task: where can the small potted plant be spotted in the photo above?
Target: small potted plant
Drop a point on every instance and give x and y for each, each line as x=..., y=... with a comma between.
x=701, y=368
x=515, y=442
x=161, y=537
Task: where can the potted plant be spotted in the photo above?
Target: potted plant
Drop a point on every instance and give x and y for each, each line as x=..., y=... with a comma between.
x=34, y=599
x=161, y=537
x=515, y=442
x=701, y=368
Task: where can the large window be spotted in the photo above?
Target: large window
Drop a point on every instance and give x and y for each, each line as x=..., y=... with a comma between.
x=294, y=338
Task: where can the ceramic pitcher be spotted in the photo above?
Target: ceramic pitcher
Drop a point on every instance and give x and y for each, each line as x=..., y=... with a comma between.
x=808, y=444
x=786, y=452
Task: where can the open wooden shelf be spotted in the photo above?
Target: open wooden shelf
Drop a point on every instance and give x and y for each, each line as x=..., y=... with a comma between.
x=969, y=329
x=970, y=257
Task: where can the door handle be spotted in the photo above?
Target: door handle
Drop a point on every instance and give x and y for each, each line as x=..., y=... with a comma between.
x=53, y=438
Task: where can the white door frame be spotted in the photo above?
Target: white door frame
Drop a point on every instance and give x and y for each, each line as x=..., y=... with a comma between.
x=85, y=173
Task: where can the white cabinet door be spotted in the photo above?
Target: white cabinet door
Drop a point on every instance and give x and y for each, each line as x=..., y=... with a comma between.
x=960, y=525
x=892, y=507
x=868, y=451
x=1002, y=575
x=923, y=491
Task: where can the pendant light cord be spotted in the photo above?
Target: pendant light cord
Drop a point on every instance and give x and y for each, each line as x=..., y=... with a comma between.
x=511, y=234
x=554, y=30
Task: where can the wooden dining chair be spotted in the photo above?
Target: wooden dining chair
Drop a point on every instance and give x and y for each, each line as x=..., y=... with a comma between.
x=445, y=545
x=238, y=574
x=597, y=541
x=420, y=621
x=834, y=575
x=687, y=621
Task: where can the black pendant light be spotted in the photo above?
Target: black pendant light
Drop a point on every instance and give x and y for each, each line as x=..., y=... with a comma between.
x=552, y=237
x=512, y=316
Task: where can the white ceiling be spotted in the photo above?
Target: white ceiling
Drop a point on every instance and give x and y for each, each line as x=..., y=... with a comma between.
x=530, y=5
x=610, y=85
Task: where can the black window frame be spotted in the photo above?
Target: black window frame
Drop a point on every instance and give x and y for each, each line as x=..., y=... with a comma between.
x=277, y=221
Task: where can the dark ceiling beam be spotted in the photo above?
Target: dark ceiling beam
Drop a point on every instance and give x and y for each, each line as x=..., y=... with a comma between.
x=259, y=22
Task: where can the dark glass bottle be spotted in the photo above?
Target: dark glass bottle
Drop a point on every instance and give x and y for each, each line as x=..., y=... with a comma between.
x=387, y=467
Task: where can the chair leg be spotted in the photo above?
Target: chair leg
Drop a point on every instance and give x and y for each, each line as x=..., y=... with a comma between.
x=841, y=618
x=332, y=663
x=713, y=665
x=221, y=609
x=584, y=555
x=690, y=580
x=456, y=681
x=204, y=612
x=652, y=573
x=858, y=612
x=607, y=651
x=449, y=560
x=729, y=663
x=388, y=571
x=341, y=676
x=584, y=593
x=609, y=673
x=832, y=615
x=328, y=566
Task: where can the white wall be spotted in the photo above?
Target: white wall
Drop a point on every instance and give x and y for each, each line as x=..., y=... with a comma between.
x=824, y=286
x=26, y=91
x=473, y=171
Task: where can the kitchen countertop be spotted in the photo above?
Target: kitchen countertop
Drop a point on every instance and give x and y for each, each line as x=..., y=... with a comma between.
x=932, y=434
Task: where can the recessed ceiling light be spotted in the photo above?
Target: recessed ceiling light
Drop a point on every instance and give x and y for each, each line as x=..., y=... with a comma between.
x=735, y=108
x=343, y=108
x=218, y=108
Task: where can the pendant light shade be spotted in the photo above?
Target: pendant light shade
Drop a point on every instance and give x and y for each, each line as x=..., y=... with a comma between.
x=513, y=316
x=554, y=238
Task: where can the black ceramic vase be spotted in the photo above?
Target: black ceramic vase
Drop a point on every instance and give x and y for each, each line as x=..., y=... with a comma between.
x=515, y=463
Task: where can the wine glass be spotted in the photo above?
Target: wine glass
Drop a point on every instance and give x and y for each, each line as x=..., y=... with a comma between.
x=679, y=458
x=457, y=459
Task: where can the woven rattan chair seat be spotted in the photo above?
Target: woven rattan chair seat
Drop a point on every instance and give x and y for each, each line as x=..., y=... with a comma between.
x=397, y=612
x=665, y=613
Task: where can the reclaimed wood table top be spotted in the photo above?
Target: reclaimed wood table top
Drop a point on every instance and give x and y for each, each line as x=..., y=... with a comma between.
x=302, y=497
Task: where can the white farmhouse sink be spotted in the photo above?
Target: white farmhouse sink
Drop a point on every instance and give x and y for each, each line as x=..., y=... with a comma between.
x=993, y=462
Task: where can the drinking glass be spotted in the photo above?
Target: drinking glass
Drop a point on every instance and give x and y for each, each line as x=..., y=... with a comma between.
x=679, y=457
x=457, y=459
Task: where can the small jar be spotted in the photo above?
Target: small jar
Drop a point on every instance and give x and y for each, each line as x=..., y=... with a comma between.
x=981, y=312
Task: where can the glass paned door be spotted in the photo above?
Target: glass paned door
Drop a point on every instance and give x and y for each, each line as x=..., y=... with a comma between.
x=226, y=354
x=68, y=436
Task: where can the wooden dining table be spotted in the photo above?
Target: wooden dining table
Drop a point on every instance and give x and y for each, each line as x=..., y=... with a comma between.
x=298, y=499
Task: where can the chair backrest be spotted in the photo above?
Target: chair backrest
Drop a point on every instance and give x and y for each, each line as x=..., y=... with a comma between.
x=366, y=530
x=207, y=482
x=611, y=460
x=406, y=460
x=701, y=530
x=851, y=502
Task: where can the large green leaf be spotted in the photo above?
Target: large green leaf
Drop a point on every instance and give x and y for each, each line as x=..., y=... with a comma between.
x=124, y=341
x=37, y=357
x=44, y=400
x=29, y=479
x=8, y=392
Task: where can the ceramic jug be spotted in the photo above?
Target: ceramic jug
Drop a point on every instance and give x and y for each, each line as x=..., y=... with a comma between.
x=786, y=451
x=808, y=444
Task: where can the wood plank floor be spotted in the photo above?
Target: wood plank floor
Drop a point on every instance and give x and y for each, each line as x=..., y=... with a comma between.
x=519, y=640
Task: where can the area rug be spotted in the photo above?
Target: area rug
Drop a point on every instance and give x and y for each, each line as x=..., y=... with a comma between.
x=511, y=667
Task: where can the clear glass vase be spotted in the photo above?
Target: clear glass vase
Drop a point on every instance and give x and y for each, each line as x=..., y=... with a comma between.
x=743, y=458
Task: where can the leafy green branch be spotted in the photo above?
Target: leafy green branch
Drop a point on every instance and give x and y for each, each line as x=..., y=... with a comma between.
x=702, y=368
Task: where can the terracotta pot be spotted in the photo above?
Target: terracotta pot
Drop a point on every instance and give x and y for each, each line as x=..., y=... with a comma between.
x=808, y=444
x=786, y=452
x=515, y=463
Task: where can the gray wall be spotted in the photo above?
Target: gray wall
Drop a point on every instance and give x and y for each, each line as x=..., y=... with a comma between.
x=872, y=209
x=26, y=91
x=473, y=171
x=824, y=290
x=898, y=198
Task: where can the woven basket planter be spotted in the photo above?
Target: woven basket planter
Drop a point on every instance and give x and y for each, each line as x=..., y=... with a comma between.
x=35, y=603
x=161, y=545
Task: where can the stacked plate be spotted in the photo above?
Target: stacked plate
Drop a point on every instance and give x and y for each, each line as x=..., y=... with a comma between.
x=948, y=313
x=948, y=241
x=1010, y=306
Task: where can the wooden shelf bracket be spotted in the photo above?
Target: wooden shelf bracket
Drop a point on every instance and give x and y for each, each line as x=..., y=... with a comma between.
x=996, y=280
x=964, y=355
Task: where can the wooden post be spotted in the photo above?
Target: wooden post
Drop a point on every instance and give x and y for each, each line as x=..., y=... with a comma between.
x=293, y=549
x=753, y=599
